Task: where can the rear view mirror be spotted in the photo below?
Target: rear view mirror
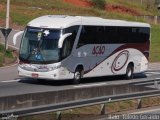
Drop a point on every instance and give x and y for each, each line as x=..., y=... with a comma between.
x=16, y=36
x=61, y=40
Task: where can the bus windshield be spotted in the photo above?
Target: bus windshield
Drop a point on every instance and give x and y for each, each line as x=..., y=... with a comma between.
x=40, y=45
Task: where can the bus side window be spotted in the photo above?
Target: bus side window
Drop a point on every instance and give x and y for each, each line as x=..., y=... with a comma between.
x=67, y=48
x=110, y=34
x=100, y=35
x=82, y=38
x=91, y=35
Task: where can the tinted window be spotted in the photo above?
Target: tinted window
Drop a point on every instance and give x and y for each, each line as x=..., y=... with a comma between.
x=91, y=35
x=126, y=34
x=113, y=35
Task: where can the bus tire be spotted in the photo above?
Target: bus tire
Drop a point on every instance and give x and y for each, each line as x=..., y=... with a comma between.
x=129, y=72
x=78, y=75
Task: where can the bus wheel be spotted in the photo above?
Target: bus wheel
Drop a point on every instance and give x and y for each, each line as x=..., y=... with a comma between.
x=77, y=76
x=129, y=72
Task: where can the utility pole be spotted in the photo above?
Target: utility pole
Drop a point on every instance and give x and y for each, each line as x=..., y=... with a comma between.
x=7, y=30
x=141, y=2
x=7, y=22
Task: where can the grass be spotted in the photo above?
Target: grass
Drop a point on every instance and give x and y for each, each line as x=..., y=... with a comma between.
x=8, y=52
x=90, y=112
x=121, y=106
x=72, y=114
x=147, y=7
x=155, y=43
x=9, y=57
x=27, y=10
x=23, y=11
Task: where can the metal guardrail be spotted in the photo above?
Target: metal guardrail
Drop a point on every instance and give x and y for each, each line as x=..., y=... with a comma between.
x=102, y=100
x=80, y=103
x=148, y=18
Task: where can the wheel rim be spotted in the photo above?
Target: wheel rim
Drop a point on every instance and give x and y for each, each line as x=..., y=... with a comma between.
x=129, y=73
x=77, y=75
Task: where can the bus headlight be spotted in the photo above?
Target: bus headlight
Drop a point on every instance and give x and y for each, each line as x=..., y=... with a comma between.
x=54, y=67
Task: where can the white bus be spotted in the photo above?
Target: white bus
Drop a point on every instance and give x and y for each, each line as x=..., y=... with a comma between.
x=59, y=47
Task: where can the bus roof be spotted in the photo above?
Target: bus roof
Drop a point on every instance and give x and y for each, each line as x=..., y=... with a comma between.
x=64, y=21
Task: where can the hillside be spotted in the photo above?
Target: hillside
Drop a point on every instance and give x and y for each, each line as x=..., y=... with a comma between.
x=23, y=11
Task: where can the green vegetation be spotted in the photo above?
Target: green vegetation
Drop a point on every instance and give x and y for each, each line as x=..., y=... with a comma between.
x=146, y=7
x=93, y=111
x=155, y=43
x=8, y=52
x=9, y=57
x=99, y=3
x=22, y=11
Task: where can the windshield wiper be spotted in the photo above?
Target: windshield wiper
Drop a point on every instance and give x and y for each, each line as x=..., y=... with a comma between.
x=36, y=51
x=33, y=52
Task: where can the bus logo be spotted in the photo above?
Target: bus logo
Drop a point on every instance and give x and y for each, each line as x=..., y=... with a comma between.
x=120, y=61
x=98, y=50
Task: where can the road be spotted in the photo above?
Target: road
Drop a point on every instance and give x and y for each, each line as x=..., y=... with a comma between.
x=10, y=72
x=15, y=85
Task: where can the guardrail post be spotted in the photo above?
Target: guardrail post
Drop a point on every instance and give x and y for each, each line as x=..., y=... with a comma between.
x=139, y=103
x=58, y=115
x=103, y=108
x=155, y=19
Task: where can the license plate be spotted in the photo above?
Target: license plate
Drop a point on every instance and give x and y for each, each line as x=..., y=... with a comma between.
x=35, y=75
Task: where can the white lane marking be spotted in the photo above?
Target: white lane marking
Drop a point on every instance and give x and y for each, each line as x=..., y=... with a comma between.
x=90, y=85
x=152, y=72
x=7, y=81
x=149, y=75
x=146, y=111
